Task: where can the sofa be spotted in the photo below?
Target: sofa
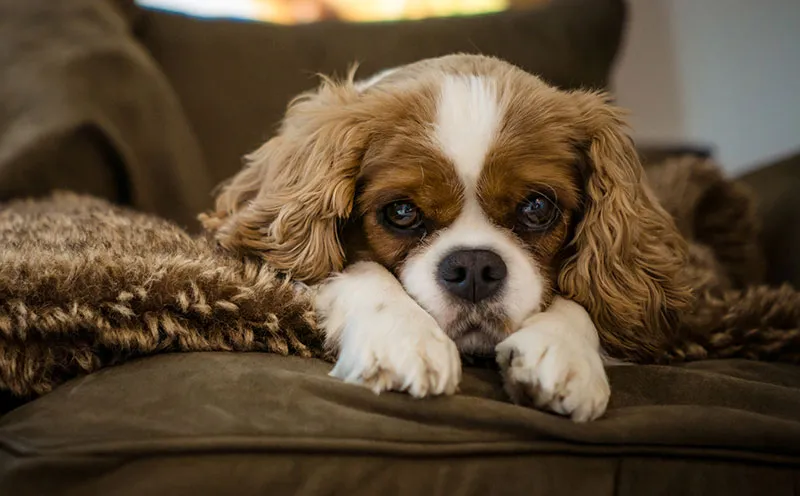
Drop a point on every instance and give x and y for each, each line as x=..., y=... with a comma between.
x=151, y=109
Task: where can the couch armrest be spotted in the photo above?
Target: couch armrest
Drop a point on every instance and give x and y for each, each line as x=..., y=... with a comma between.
x=84, y=107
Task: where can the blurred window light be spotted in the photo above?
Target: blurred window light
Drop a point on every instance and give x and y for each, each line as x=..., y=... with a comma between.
x=306, y=11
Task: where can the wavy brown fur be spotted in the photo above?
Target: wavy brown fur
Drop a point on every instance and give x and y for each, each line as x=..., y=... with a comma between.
x=85, y=285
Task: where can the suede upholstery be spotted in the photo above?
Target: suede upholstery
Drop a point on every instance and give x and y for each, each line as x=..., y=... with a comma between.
x=224, y=423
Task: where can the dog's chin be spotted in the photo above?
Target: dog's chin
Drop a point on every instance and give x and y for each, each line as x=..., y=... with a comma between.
x=477, y=342
x=478, y=335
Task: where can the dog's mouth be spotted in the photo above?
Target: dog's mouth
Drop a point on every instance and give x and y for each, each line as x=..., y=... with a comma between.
x=478, y=335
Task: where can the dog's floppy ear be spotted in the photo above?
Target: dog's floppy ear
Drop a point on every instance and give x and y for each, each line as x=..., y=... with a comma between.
x=286, y=205
x=628, y=258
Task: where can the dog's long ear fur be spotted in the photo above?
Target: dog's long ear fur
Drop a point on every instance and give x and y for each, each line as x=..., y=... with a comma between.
x=626, y=268
x=285, y=206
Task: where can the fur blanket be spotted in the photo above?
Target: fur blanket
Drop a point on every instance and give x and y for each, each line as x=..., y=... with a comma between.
x=734, y=315
x=84, y=284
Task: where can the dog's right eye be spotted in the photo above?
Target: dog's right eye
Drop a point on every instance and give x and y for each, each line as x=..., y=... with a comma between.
x=403, y=215
x=537, y=213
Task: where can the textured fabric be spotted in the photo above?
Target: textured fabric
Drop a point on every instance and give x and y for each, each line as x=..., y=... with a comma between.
x=224, y=423
x=84, y=107
x=235, y=78
x=84, y=285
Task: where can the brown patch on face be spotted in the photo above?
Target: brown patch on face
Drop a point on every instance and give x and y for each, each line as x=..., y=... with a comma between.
x=502, y=203
x=403, y=164
x=534, y=153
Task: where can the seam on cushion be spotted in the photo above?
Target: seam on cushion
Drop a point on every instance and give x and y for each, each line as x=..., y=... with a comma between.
x=391, y=449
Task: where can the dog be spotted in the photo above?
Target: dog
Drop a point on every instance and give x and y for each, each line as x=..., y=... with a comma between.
x=460, y=205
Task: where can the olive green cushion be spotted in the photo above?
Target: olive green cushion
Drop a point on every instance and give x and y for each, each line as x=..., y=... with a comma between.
x=226, y=423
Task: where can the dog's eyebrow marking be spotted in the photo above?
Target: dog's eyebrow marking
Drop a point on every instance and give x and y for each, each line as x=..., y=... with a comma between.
x=467, y=120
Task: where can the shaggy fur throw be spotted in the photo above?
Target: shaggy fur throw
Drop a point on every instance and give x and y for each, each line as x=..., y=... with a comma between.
x=84, y=284
x=734, y=315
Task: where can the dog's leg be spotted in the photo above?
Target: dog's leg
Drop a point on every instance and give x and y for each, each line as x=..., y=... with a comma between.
x=384, y=339
x=554, y=362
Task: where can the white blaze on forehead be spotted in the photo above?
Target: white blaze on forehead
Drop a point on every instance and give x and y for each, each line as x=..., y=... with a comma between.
x=375, y=79
x=467, y=119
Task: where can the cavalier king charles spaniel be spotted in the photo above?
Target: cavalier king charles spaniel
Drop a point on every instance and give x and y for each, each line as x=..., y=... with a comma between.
x=460, y=205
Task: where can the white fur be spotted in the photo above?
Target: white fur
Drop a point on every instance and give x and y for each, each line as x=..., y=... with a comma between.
x=554, y=362
x=374, y=79
x=467, y=120
x=385, y=340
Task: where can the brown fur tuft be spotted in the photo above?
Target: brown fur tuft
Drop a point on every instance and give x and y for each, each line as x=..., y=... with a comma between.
x=286, y=205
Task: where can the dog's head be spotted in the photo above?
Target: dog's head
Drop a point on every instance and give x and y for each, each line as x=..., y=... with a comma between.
x=483, y=189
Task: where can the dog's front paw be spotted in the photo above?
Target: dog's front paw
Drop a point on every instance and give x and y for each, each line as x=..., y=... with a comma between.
x=548, y=371
x=398, y=349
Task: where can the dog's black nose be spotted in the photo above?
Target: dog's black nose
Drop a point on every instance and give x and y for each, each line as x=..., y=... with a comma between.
x=472, y=275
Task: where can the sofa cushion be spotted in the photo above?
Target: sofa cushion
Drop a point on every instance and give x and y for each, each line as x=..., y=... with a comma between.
x=235, y=78
x=225, y=423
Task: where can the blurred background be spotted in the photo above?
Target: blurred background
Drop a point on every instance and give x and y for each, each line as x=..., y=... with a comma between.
x=303, y=11
x=722, y=75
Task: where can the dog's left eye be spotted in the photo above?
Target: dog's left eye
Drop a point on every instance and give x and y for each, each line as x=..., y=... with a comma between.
x=403, y=215
x=537, y=212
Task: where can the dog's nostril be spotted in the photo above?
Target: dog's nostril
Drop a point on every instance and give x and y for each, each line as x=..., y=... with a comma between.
x=493, y=273
x=455, y=274
x=491, y=267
